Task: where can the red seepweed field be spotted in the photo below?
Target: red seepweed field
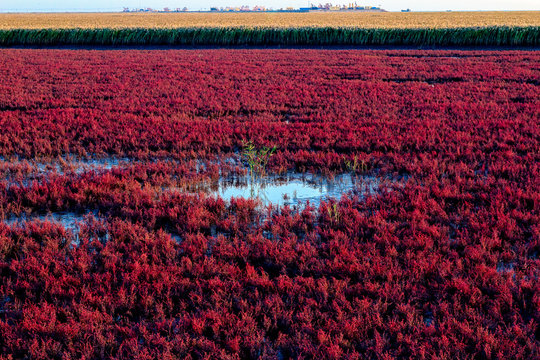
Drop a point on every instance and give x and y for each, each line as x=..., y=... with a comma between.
x=112, y=244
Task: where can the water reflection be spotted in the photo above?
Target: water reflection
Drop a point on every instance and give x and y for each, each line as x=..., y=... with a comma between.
x=68, y=220
x=291, y=188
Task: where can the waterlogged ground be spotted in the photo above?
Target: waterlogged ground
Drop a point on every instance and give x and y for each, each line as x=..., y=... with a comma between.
x=290, y=189
x=293, y=189
x=69, y=221
x=25, y=172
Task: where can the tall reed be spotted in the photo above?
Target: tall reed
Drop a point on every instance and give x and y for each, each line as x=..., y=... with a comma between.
x=303, y=36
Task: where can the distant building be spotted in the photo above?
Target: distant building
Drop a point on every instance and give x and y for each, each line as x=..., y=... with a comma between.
x=258, y=8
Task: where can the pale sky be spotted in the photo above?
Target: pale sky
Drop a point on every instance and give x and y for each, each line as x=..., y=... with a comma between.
x=392, y=5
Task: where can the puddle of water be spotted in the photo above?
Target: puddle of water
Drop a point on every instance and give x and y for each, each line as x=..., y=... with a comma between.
x=67, y=219
x=453, y=232
x=428, y=318
x=292, y=188
x=26, y=172
x=482, y=170
x=82, y=165
x=503, y=267
x=70, y=221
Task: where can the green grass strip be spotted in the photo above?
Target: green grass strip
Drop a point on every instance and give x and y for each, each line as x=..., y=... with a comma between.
x=239, y=36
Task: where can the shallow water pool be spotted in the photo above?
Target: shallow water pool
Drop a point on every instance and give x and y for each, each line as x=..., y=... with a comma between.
x=293, y=188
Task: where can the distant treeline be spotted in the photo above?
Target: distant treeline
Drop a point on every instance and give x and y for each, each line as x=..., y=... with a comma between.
x=237, y=36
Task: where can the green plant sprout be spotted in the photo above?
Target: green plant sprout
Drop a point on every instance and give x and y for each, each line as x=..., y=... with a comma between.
x=333, y=212
x=257, y=159
x=356, y=165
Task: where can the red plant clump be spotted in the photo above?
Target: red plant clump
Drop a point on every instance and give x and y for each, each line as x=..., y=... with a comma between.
x=440, y=262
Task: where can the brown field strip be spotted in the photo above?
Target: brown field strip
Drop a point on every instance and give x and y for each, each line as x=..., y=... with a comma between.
x=338, y=19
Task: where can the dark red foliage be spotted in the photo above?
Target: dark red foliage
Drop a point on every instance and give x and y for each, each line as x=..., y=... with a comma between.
x=443, y=264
